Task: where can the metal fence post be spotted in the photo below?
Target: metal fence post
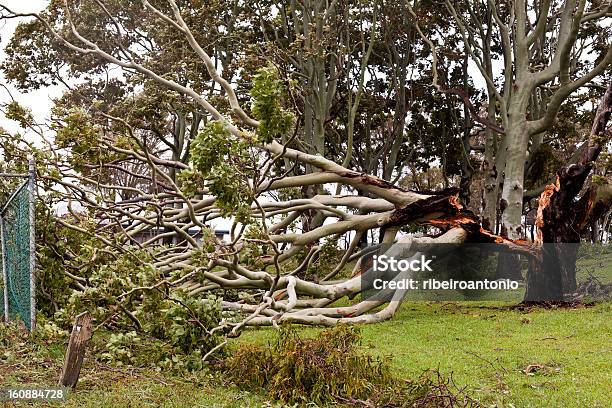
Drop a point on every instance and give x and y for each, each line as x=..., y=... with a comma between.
x=32, y=208
x=4, y=274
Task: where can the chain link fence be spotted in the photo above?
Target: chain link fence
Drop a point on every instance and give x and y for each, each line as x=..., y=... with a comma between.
x=17, y=247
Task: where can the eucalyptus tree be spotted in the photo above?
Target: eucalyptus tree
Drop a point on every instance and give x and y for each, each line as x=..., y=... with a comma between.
x=404, y=126
x=546, y=51
x=234, y=166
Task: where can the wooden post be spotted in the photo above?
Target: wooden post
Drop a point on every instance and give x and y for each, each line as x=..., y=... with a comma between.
x=79, y=338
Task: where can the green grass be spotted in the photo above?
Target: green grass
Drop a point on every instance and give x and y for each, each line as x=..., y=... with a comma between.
x=116, y=387
x=35, y=364
x=486, y=347
x=597, y=260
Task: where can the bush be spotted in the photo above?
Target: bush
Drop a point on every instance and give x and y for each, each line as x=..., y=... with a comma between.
x=174, y=334
x=315, y=370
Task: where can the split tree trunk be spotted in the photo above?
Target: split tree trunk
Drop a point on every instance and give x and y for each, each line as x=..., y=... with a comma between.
x=562, y=217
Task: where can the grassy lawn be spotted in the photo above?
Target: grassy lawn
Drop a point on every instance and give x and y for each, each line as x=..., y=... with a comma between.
x=27, y=363
x=120, y=387
x=486, y=347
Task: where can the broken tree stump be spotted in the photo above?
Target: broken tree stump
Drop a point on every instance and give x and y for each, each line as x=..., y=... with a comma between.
x=79, y=339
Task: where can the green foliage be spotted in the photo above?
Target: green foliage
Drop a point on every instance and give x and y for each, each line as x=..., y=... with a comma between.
x=434, y=132
x=327, y=259
x=153, y=327
x=221, y=162
x=47, y=330
x=253, y=252
x=121, y=348
x=330, y=368
x=106, y=283
x=175, y=334
x=267, y=92
x=605, y=161
x=289, y=193
x=211, y=147
x=599, y=180
x=63, y=250
x=18, y=113
x=173, y=328
x=296, y=370
x=78, y=134
x=543, y=163
x=208, y=245
x=191, y=181
x=232, y=191
x=183, y=321
x=77, y=131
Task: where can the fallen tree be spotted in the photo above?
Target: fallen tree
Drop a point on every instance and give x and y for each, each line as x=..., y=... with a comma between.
x=236, y=168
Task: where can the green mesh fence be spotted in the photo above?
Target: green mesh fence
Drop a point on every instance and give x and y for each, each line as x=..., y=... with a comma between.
x=15, y=230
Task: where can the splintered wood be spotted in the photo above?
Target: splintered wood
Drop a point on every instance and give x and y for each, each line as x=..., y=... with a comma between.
x=79, y=339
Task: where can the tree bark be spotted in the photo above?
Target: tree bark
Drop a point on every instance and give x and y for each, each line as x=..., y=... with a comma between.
x=511, y=203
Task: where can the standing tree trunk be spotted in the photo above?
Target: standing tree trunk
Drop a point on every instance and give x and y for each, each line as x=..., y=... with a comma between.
x=511, y=203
